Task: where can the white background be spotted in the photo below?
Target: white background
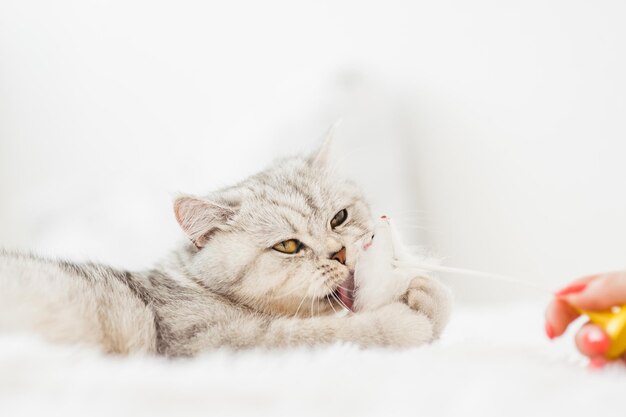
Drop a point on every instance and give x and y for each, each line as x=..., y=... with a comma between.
x=496, y=127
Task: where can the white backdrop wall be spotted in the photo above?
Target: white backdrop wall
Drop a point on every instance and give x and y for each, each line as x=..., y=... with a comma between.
x=495, y=127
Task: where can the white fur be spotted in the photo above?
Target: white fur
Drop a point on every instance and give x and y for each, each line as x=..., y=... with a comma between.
x=377, y=280
x=492, y=362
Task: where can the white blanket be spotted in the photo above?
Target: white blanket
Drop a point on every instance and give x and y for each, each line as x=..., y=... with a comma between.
x=492, y=361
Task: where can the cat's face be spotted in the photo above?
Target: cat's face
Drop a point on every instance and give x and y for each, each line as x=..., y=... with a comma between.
x=282, y=241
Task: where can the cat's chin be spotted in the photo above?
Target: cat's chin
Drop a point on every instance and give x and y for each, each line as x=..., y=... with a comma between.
x=345, y=292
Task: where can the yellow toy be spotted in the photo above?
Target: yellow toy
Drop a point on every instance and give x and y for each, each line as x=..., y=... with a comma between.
x=614, y=324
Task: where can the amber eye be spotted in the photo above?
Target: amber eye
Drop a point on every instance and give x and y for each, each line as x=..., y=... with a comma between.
x=339, y=218
x=288, y=246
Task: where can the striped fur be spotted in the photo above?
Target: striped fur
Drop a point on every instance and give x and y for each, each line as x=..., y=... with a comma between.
x=226, y=287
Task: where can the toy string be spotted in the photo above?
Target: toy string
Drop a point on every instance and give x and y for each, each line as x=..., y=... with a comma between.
x=470, y=272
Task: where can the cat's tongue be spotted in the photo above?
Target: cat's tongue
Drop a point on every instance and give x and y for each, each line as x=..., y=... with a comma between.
x=346, y=292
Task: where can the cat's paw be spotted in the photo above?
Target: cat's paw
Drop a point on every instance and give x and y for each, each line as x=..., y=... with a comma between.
x=433, y=299
x=400, y=326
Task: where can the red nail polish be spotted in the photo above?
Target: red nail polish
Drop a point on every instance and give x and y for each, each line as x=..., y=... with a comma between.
x=549, y=331
x=596, y=342
x=571, y=289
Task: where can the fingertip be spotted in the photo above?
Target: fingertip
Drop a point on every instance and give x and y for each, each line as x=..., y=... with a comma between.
x=574, y=288
x=592, y=341
x=583, y=301
x=558, y=315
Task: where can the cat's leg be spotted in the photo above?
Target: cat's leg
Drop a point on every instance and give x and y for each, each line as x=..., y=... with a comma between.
x=417, y=318
x=395, y=325
x=433, y=299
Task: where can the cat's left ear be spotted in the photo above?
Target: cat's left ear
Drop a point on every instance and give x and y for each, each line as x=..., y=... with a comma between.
x=321, y=158
x=200, y=218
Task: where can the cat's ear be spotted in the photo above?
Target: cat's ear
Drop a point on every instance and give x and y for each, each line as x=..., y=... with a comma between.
x=199, y=217
x=322, y=156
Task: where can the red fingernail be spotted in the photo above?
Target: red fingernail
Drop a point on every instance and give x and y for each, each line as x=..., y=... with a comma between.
x=597, y=363
x=549, y=331
x=596, y=342
x=571, y=289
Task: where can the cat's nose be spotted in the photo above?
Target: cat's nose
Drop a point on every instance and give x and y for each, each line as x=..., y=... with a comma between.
x=340, y=256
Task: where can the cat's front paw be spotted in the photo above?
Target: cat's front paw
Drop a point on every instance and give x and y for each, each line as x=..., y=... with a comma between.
x=433, y=299
x=401, y=326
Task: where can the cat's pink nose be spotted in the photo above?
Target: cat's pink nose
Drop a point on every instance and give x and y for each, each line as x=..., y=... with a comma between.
x=383, y=217
x=340, y=256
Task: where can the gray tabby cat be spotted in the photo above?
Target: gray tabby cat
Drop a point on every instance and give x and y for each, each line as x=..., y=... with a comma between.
x=268, y=263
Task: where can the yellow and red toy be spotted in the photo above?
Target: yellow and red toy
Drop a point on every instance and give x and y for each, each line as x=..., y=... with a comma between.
x=614, y=324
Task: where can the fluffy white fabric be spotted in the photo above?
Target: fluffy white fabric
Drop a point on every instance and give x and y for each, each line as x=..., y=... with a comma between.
x=491, y=361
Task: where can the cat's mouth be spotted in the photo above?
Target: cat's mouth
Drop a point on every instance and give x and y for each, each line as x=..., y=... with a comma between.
x=345, y=292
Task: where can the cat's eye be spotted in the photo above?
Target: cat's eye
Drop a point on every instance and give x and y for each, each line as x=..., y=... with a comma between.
x=339, y=218
x=290, y=246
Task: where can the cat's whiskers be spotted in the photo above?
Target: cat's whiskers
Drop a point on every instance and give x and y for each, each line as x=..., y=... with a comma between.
x=318, y=305
x=298, y=309
x=341, y=302
x=312, y=301
x=302, y=301
x=407, y=213
x=297, y=288
x=413, y=226
x=327, y=297
x=343, y=288
x=332, y=294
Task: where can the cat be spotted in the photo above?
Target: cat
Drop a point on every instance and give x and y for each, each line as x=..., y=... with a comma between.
x=269, y=263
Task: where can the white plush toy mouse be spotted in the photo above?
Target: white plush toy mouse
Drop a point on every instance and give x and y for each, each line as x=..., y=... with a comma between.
x=387, y=272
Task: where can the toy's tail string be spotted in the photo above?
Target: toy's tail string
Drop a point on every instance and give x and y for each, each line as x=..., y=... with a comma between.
x=612, y=322
x=461, y=271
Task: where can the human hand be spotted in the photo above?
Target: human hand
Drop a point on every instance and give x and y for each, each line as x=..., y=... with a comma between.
x=598, y=292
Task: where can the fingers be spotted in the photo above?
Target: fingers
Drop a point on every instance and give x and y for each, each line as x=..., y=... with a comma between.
x=596, y=293
x=593, y=293
x=559, y=315
x=575, y=286
x=592, y=341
